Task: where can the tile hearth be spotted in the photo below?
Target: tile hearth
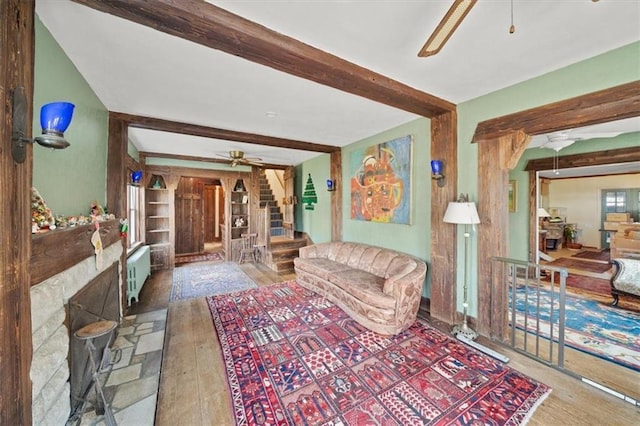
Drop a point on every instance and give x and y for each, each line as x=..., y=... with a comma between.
x=131, y=387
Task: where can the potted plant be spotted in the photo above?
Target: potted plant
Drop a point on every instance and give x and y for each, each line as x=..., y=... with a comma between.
x=570, y=233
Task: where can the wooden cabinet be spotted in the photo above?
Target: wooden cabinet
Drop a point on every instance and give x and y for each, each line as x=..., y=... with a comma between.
x=239, y=220
x=158, y=223
x=239, y=210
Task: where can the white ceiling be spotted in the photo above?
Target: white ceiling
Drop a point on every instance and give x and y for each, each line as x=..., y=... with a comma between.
x=137, y=70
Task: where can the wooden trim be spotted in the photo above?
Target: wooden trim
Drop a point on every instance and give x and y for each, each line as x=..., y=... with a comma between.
x=211, y=26
x=203, y=159
x=17, y=57
x=59, y=250
x=606, y=105
x=336, y=196
x=444, y=146
x=597, y=158
x=158, y=124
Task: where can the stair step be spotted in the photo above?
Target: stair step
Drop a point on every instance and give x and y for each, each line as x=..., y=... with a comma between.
x=284, y=267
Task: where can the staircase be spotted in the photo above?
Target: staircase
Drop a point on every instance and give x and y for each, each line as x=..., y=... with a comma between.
x=281, y=250
x=266, y=196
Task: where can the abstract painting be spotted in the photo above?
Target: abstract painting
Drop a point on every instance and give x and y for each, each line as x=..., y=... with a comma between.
x=381, y=182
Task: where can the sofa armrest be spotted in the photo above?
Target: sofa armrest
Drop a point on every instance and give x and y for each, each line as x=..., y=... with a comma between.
x=627, y=276
x=407, y=291
x=307, y=252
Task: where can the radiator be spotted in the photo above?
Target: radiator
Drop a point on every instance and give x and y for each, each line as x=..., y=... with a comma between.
x=138, y=269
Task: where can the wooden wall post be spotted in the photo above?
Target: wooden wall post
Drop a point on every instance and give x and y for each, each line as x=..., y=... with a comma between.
x=495, y=159
x=336, y=196
x=17, y=45
x=444, y=146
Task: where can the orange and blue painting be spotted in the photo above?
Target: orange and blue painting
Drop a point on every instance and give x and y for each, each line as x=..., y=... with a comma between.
x=381, y=182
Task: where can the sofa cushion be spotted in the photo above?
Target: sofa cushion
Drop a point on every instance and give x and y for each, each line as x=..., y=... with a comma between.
x=363, y=286
x=319, y=267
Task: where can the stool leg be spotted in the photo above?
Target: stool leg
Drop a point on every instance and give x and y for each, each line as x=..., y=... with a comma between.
x=102, y=406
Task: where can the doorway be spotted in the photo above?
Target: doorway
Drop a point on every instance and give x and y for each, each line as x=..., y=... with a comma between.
x=199, y=211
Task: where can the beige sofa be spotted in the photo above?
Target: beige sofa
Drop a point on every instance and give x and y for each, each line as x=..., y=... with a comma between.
x=379, y=288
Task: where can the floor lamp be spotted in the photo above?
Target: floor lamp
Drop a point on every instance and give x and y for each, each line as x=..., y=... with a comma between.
x=463, y=212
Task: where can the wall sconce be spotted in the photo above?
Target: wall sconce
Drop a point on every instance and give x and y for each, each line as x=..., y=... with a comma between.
x=437, y=172
x=55, y=117
x=331, y=185
x=136, y=177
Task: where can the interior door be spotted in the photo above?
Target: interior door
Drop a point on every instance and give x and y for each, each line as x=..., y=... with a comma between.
x=622, y=200
x=189, y=216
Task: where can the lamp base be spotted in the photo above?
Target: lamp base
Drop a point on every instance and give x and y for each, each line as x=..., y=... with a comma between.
x=464, y=331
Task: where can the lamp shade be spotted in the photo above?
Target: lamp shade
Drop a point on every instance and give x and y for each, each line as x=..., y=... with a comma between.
x=461, y=212
x=543, y=213
x=55, y=117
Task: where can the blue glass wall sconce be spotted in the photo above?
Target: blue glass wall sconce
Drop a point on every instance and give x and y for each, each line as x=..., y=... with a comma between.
x=331, y=185
x=437, y=172
x=55, y=117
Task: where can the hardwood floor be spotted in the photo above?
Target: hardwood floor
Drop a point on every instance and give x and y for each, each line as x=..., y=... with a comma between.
x=193, y=389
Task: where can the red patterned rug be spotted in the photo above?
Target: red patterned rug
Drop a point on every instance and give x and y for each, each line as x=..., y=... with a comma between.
x=293, y=357
x=601, y=255
x=599, y=286
x=585, y=265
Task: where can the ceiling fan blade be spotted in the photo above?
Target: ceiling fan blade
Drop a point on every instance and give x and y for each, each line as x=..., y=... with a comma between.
x=455, y=15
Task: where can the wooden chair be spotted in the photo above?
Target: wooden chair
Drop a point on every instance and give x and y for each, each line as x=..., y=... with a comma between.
x=248, y=247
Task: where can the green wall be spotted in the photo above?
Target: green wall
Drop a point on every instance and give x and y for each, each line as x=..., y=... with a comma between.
x=613, y=68
x=317, y=222
x=68, y=180
x=610, y=69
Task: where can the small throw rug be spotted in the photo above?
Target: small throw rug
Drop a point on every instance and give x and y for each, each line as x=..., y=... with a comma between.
x=601, y=255
x=585, y=265
x=294, y=358
x=606, y=332
x=600, y=286
x=202, y=257
x=208, y=279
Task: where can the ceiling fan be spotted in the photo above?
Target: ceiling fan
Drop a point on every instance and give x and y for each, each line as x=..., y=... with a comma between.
x=564, y=138
x=454, y=16
x=237, y=157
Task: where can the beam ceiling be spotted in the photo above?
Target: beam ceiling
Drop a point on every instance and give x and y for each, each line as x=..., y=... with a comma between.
x=211, y=26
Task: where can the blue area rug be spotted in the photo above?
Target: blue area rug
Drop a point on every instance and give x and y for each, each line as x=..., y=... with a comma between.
x=208, y=279
x=606, y=332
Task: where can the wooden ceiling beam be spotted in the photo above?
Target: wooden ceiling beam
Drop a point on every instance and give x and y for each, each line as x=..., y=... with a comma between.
x=222, y=134
x=615, y=103
x=211, y=26
x=148, y=154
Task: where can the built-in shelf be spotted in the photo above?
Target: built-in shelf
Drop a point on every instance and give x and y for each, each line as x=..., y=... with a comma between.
x=158, y=230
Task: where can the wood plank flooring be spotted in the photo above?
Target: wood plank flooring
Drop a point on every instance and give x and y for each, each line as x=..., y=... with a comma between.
x=193, y=389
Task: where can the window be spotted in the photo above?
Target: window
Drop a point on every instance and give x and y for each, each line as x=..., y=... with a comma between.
x=616, y=202
x=133, y=208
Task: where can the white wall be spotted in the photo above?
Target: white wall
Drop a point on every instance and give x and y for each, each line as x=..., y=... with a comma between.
x=581, y=197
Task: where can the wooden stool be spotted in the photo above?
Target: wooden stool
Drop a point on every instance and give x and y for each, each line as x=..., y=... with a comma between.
x=88, y=333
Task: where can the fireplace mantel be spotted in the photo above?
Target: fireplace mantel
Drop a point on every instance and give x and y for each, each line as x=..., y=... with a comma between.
x=56, y=251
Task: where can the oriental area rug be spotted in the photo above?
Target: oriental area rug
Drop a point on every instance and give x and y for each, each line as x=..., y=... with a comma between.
x=609, y=333
x=208, y=279
x=294, y=358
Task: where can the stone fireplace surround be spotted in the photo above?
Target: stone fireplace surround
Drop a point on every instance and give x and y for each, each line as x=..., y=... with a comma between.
x=50, y=366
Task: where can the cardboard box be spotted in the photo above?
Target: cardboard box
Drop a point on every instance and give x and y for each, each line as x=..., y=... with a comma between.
x=618, y=217
x=611, y=226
